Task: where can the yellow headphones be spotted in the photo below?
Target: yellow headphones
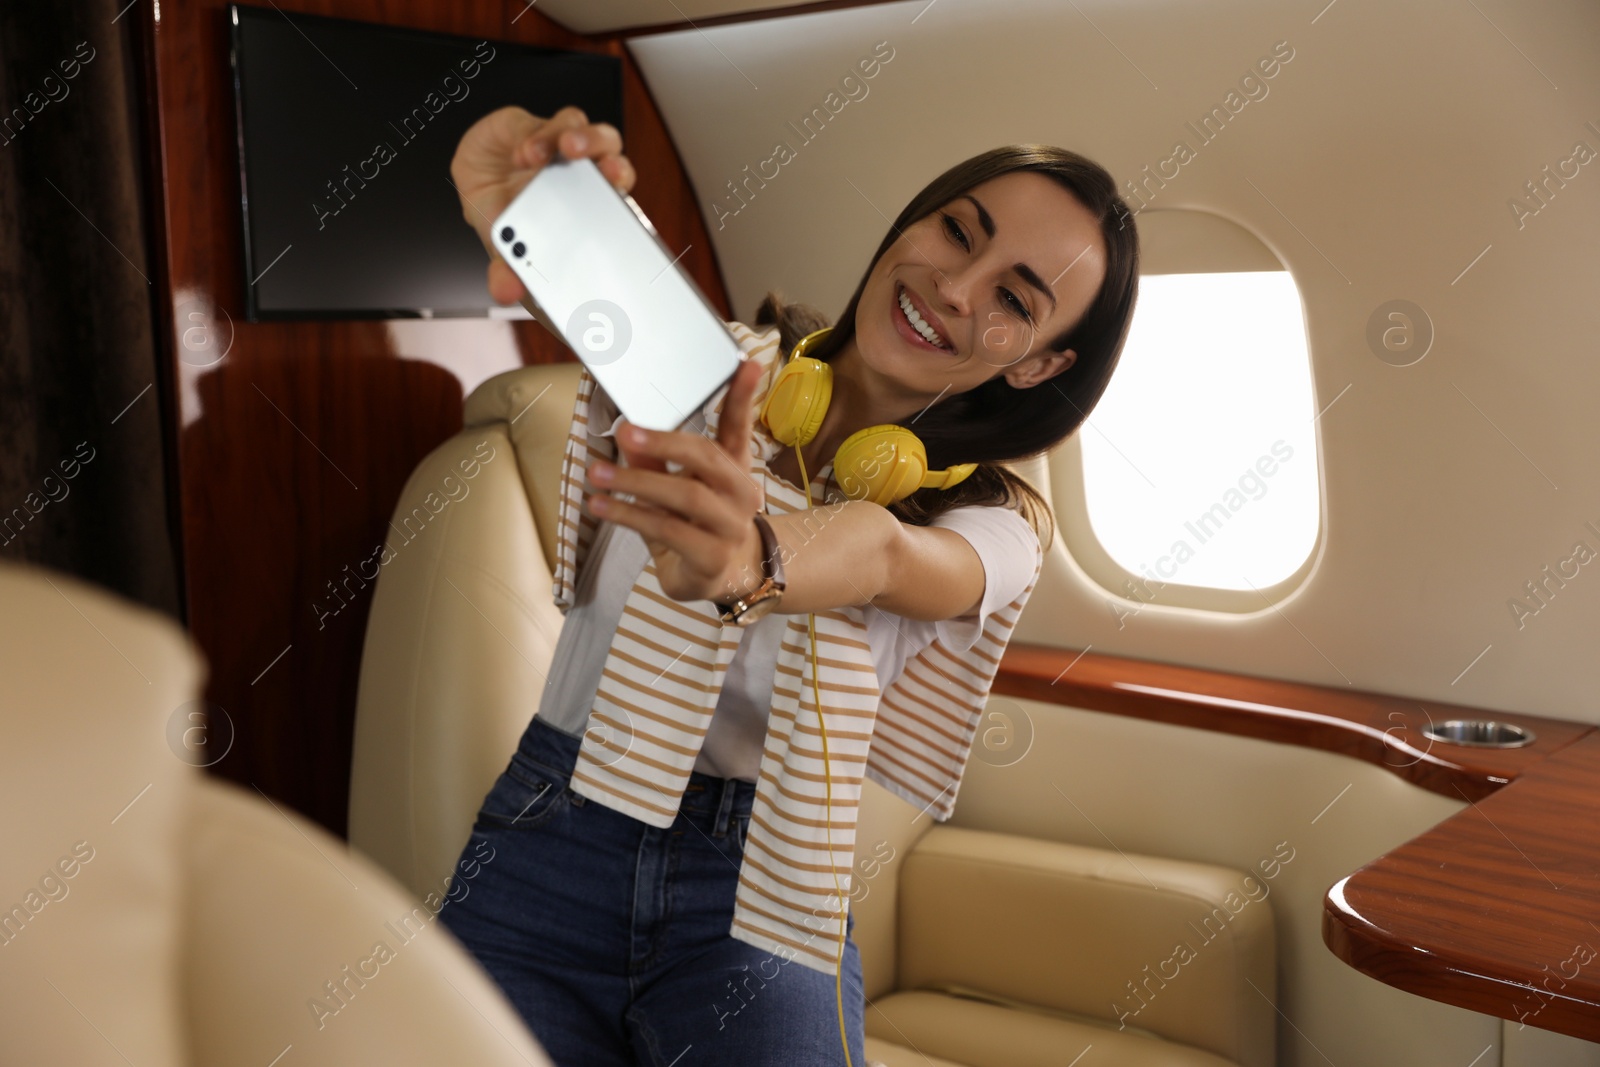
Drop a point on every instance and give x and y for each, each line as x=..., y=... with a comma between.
x=882, y=463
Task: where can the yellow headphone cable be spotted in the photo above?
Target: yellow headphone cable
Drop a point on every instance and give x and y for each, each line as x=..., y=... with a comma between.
x=827, y=785
x=883, y=464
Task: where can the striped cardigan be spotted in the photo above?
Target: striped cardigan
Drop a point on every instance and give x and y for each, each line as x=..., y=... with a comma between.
x=663, y=673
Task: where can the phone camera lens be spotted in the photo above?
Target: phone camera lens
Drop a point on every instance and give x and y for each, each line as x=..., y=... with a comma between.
x=518, y=248
x=507, y=233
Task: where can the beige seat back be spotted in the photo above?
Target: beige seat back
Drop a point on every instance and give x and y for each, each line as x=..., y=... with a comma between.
x=463, y=628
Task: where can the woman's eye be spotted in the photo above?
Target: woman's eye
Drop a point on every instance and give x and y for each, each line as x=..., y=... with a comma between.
x=954, y=229
x=1021, y=308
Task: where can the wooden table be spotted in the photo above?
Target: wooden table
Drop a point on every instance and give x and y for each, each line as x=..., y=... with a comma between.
x=1496, y=909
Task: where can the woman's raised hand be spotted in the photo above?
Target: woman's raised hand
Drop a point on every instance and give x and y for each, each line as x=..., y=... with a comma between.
x=697, y=522
x=502, y=152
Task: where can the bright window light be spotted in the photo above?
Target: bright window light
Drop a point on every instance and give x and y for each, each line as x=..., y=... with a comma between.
x=1199, y=461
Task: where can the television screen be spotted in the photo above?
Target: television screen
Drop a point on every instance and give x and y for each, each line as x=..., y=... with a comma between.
x=346, y=130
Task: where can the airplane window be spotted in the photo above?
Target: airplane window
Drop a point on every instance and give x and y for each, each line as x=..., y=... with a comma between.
x=1195, y=480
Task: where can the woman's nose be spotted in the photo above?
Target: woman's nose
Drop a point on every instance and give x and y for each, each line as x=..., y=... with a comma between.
x=954, y=291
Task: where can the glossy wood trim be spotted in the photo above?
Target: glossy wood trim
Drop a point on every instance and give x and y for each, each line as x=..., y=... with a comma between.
x=293, y=446
x=759, y=15
x=1496, y=908
x=1383, y=730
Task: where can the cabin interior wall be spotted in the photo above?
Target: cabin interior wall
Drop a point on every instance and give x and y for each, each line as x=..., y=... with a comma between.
x=1528, y=1046
x=1436, y=153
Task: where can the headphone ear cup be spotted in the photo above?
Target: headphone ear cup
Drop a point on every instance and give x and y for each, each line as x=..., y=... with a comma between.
x=798, y=400
x=884, y=464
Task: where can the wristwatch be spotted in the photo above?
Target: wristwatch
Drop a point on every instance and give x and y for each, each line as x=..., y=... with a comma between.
x=747, y=609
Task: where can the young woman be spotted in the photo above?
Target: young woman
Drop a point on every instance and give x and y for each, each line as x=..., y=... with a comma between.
x=654, y=833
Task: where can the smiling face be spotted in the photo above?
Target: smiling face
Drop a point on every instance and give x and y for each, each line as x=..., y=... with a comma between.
x=996, y=274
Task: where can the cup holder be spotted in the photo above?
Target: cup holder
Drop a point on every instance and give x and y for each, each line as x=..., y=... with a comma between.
x=1480, y=733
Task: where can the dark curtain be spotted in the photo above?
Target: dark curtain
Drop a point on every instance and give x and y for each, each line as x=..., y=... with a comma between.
x=84, y=457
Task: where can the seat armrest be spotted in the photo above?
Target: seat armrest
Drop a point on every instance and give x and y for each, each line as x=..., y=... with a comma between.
x=101, y=709
x=888, y=827
x=1184, y=950
x=292, y=939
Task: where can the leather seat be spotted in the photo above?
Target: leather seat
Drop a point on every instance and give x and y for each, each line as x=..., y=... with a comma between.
x=152, y=913
x=978, y=949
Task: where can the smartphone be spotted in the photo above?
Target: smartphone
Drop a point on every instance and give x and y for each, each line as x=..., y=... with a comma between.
x=595, y=265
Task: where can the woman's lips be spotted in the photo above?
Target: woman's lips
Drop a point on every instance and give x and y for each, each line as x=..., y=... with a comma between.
x=908, y=331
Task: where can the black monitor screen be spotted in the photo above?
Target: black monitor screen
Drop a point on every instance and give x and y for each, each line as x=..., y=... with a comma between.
x=346, y=131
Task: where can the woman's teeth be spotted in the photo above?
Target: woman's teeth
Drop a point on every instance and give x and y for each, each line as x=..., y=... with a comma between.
x=928, y=333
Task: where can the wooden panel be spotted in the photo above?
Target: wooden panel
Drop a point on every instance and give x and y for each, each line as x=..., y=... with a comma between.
x=774, y=11
x=1495, y=908
x=1384, y=730
x=294, y=447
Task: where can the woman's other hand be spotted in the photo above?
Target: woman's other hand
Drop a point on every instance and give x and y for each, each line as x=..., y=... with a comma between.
x=697, y=522
x=502, y=152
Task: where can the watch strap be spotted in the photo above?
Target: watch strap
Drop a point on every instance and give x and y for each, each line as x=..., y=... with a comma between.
x=771, y=562
x=771, y=570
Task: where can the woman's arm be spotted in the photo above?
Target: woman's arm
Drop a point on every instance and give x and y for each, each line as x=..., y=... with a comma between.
x=833, y=556
x=934, y=574
x=858, y=553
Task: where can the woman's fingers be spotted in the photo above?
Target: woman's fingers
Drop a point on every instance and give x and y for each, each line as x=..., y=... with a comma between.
x=737, y=420
x=638, y=457
x=570, y=135
x=548, y=130
x=722, y=464
x=501, y=152
x=618, y=171
x=486, y=153
x=489, y=141
x=700, y=512
x=602, y=143
x=688, y=498
x=590, y=139
x=705, y=551
x=700, y=458
x=485, y=173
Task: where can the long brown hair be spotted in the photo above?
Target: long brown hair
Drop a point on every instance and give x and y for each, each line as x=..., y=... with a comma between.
x=995, y=423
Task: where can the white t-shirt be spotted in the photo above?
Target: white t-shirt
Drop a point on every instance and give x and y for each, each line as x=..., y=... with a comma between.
x=1004, y=541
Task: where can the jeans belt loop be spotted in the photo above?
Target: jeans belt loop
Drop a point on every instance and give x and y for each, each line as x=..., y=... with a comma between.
x=724, y=808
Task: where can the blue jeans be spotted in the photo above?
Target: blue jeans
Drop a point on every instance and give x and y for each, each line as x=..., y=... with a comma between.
x=610, y=936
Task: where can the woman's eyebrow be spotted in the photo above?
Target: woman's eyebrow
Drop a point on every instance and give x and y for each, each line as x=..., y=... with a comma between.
x=984, y=218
